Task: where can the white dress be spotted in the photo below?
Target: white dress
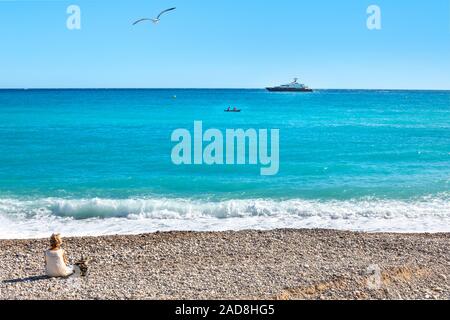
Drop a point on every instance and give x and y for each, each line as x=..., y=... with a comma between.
x=55, y=266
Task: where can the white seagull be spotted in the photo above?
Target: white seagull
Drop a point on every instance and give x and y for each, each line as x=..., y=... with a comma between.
x=155, y=20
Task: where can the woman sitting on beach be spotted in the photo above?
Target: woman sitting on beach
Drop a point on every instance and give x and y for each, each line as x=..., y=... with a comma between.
x=56, y=262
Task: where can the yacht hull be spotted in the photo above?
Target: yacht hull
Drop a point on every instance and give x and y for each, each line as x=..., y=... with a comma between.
x=278, y=89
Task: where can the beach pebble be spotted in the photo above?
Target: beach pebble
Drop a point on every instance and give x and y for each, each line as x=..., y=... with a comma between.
x=292, y=264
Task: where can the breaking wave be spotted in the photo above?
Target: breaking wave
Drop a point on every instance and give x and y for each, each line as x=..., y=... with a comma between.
x=29, y=218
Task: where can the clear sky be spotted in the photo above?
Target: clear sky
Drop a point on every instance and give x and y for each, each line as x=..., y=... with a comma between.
x=225, y=43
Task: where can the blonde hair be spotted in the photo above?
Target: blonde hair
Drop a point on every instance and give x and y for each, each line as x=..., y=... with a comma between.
x=55, y=240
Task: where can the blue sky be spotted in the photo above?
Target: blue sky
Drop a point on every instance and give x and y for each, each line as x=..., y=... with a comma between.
x=225, y=43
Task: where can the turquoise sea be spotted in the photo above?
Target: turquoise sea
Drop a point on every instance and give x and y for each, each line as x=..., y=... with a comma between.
x=90, y=162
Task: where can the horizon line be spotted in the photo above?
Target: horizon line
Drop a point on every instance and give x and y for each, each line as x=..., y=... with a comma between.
x=207, y=88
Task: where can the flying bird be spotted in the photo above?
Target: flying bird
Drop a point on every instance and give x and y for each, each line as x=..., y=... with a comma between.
x=154, y=20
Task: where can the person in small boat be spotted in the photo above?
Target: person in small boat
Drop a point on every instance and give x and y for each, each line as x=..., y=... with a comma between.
x=229, y=109
x=56, y=261
x=234, y=109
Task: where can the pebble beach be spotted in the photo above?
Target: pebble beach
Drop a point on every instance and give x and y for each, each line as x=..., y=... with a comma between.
x=279, y=264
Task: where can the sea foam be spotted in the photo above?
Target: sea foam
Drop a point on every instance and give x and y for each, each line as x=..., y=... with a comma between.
x=28, y=218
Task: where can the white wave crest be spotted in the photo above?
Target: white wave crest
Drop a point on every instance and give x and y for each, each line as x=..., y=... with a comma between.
x=38, y=217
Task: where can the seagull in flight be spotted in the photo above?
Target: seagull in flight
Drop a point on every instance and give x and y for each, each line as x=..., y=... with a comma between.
x=155, y=20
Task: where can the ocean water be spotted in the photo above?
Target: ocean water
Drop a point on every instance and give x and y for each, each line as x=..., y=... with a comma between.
x=91, y=162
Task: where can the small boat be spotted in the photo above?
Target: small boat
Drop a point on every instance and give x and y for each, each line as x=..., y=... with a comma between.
x=291, y=87
x=232, y=110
